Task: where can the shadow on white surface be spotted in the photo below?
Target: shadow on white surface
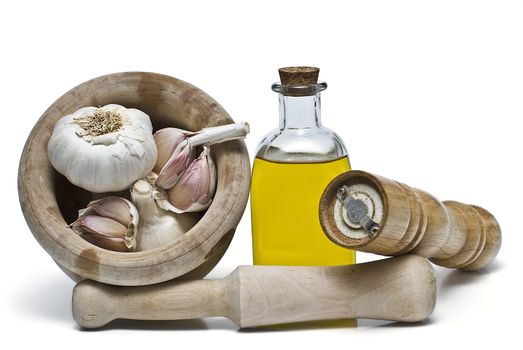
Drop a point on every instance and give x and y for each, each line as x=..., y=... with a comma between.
x=450, y=279
x=220, y=323
x=365, y=323
x=309, y=325
x=215, y=323
x=49, y=298
x=336, y=324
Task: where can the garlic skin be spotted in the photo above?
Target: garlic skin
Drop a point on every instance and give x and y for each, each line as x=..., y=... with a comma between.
x=195, y=189
x=218, y=134
x=110, y=223
x=189, y=181
x=176, y=165
x=167, y=140
x=103, y=149
x=157, y=227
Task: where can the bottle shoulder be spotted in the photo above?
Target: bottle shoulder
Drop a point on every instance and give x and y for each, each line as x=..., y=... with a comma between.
x=317, y=144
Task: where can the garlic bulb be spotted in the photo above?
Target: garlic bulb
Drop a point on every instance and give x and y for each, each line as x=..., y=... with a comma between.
x=190, y=181
x=103, y=149
x=110, y=223
x=157, y=226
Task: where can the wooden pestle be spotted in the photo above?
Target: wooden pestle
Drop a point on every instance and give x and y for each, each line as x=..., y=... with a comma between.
x=370, y=213
x=398, y=289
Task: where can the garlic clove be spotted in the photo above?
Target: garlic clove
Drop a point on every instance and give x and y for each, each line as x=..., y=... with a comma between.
x=115, y=208
x=157, y=193
x=167, y=140
x=110, y=223
x=102, y=232
x=176, y=148
x=195, y=189
x=99, y=225
x=157, y=227
x=109, y=243
x=177, y=164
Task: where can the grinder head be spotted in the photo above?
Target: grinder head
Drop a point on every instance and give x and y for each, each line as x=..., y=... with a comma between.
x=352, y=209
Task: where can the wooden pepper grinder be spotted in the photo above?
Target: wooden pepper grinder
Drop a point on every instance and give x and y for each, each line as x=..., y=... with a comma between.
x=370, y=213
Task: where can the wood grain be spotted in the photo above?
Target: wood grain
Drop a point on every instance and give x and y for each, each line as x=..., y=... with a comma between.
x=451, y=233
x=399, y=289
x=49, y=202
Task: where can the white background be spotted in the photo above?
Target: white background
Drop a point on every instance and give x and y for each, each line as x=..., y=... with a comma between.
x=425, y=92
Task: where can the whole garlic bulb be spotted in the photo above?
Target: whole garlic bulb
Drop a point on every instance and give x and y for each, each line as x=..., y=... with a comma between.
x=103, y=149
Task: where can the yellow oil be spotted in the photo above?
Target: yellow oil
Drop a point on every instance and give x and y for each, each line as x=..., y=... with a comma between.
x=284, y=207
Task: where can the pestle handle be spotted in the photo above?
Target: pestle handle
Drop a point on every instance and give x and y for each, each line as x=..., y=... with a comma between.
x=96, y=304
x=398, y=289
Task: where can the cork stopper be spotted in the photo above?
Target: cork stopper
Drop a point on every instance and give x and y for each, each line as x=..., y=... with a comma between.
x=299, y=76
x=299, y=81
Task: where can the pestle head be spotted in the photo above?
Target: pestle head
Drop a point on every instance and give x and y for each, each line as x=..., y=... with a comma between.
x=92, y=305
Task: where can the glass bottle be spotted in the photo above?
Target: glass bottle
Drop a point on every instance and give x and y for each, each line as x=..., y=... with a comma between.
x=293, y=165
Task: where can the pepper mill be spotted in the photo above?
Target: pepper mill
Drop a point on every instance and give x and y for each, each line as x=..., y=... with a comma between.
x=370, y=213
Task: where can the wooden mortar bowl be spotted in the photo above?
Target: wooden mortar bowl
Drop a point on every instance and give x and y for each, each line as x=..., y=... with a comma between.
x=49, y=202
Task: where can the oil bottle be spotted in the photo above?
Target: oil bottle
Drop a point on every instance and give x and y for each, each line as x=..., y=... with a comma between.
x=293, y=165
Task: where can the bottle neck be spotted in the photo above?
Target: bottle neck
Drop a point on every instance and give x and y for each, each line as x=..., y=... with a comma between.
x=297, y=112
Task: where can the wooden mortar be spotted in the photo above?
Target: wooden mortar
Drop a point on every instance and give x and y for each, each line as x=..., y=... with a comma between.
x=49, y=202
x=452, y=234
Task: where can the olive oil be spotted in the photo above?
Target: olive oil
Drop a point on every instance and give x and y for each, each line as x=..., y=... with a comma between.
x=294, y=164
x=284, y=207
